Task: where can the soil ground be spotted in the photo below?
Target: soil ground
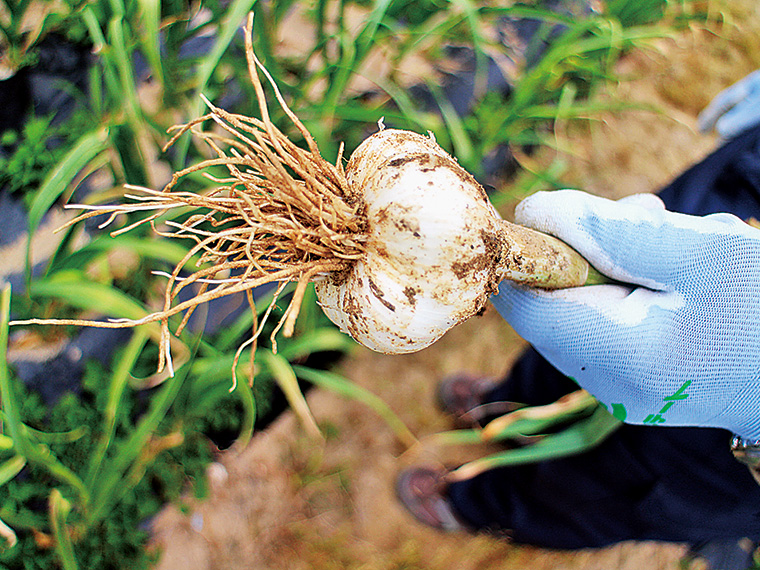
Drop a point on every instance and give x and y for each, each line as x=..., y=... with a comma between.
x=290, y=501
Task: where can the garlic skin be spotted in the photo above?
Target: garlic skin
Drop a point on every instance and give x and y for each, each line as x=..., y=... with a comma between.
x=436, y=248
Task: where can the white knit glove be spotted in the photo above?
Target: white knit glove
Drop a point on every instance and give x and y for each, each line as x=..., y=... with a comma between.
x=678, y=343
x=733, y=110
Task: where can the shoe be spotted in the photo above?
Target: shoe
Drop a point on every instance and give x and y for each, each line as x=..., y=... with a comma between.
x=464, y=397
x=422, y=492
x=458, y=394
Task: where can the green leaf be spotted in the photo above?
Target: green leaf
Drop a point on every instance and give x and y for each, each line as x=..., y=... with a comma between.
x=12, y=425
x=6, y=443
x=234, y=18
x=242, y=325
x=248, y=422
x=73, y=288
x=286, y=378
x=48, y=437
x=577, y=438
x=58, y=181
x=100, y=46
x=59, y=512
x=24, y=445
x=463, y=147
x=536, y=419
x=366, y=38
x=123, y=60
x=348, y=389
x=150, y=18
x=116, y=386
x=10, y=468
x=316, y=340
x=111, y=485
x=146, y=247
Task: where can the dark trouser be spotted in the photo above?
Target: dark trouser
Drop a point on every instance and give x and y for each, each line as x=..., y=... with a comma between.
x=642, y=483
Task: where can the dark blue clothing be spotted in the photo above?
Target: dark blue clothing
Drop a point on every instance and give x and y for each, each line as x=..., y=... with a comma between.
x=642, y=483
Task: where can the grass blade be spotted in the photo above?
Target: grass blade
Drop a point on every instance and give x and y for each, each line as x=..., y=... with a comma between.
x=348, y=389
x=123, y=61
x=146, y=248
x=111, y=483
x=25, y=447
x=10, y=468
x=316, y=340
x=150, y=20
x=248, y=422
x=537, y=419
x=235, y=15
x=60, y=178
x=59, y=512
x=211, y=381
x=579, y=437
x=100, y=46
x=477, y=35
x=116, y=387
x=415, y=119
x=353, y=52
x=12, y=420
x=367, y=37
x=286, y=378
x=73, y=288
x=230, y=336
x=463, y=147
x=46, y=437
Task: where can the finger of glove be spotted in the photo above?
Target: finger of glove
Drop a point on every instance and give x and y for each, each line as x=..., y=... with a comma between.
x=740, y=118
x=590, y=333
x=541, y=316
x=631, y=243
x=645, y=200
x=722, y=103
x=726, y=100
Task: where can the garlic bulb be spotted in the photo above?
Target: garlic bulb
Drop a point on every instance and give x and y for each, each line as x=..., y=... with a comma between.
x=436, y=248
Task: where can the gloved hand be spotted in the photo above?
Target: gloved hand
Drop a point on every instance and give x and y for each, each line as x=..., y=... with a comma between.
x=733, y=110
x=678, y=341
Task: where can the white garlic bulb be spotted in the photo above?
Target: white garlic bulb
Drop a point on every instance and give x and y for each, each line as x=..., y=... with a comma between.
x=436, y=248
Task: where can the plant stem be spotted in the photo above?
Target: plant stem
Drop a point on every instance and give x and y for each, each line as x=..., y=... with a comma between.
x=540, y=260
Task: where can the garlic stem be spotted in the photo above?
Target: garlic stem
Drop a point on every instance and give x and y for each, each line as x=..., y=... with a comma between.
x=539, y=260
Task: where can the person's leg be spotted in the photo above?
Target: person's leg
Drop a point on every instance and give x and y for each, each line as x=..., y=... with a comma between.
x=728, y=180
x=678, y=484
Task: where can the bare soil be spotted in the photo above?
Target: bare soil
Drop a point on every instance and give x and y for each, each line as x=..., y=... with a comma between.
x=291, y=501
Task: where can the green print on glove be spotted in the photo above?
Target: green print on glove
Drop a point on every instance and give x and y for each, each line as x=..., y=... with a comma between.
x=680, y=394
